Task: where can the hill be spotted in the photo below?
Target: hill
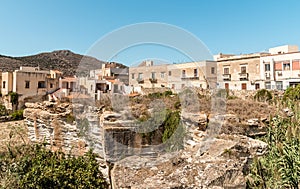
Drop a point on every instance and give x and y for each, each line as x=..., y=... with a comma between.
x=64, y=60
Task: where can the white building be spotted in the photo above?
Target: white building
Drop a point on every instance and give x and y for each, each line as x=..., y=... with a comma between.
x=281, y=68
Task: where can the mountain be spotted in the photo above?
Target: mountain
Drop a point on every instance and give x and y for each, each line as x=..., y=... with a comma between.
x=63, y=60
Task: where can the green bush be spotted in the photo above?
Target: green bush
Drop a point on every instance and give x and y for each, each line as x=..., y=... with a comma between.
x=14, y=97
x=17, y=115
x=3, y=111
x=292, y=93
x=177, y=105
x=174, y=131
x=38, y=167
x=160, y=95
x=280, y=167
x=263, y=95
x=167, y=93
x=155, y=95
x=70, y=118
x=232, y=97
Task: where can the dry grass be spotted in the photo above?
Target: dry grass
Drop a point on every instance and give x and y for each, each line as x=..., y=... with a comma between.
x=12, y=133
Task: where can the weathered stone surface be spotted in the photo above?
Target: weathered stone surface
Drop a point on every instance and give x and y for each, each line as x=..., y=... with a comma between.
x=221, y=166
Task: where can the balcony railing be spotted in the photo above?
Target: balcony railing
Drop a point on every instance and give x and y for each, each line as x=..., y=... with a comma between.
x=190, y=78
x=244, y=76
x=153, y=80
x=226, y=77
x=140, y=80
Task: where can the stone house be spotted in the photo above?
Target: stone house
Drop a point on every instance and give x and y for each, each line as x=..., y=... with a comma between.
x=28, y=82
x=113, y=70
x=109, y=79
x=239, y=72
x=148, y=75
x=174, y=76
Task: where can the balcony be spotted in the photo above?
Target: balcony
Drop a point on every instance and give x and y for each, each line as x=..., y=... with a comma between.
x=153, y=80
x=140, y=80
x=226, y=77
x=244, y=76
x=190, y=78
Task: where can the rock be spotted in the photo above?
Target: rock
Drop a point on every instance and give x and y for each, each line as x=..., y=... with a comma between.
x=288, y=112
x=214, y=169
x=254, y=122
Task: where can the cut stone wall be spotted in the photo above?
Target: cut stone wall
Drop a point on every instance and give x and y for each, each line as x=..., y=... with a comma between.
x=56, y=125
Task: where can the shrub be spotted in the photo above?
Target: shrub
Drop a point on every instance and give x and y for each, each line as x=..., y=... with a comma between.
x=232, y=97
x=280, y=167
x=38, y=167
x=155, y=95
x=177, y=105
x=263, y=95
x=292, y=93
x=167, y=93
x=70, y=118
x=17, y=115
x=14, y=97
x=174, y=131
x=3, y=110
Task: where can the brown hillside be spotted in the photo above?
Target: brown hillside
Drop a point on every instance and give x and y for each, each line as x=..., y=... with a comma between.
x=63, y=60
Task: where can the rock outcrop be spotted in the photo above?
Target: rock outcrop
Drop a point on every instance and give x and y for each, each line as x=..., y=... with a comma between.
x=215, y=154
x=223, y=165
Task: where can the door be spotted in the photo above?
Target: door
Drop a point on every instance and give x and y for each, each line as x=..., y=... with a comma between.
x=244, y=86
x=227, y=86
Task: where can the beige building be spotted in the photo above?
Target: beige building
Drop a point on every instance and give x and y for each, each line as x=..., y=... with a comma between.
x=239, y=72
x=148, y=75
x=174, y=76
x=192, y=74
x=29, y=81
x=7, y=83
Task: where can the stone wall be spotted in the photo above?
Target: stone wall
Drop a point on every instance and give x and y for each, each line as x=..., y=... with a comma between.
x=58, y=126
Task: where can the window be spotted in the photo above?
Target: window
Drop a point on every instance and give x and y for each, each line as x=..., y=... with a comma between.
x=3, y=84
x=195, y=72
x=182, y=86
x=91, y=87
x=212, y=70
x=170, y=73
x=173, y=86
x=153, y=75
x=257, y=86
x=279, y=85
x=41, y=84
x=243, y=69
x=267, y=67
x=286, y=66
x=162, y=74
x=27, y=84
x=51, y=85
x=140, y=76
x=183, y=73
x=132, y=76
x=226, y=70
x=268, y=85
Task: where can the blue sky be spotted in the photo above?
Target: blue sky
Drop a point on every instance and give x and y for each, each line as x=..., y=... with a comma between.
x=232, y=26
